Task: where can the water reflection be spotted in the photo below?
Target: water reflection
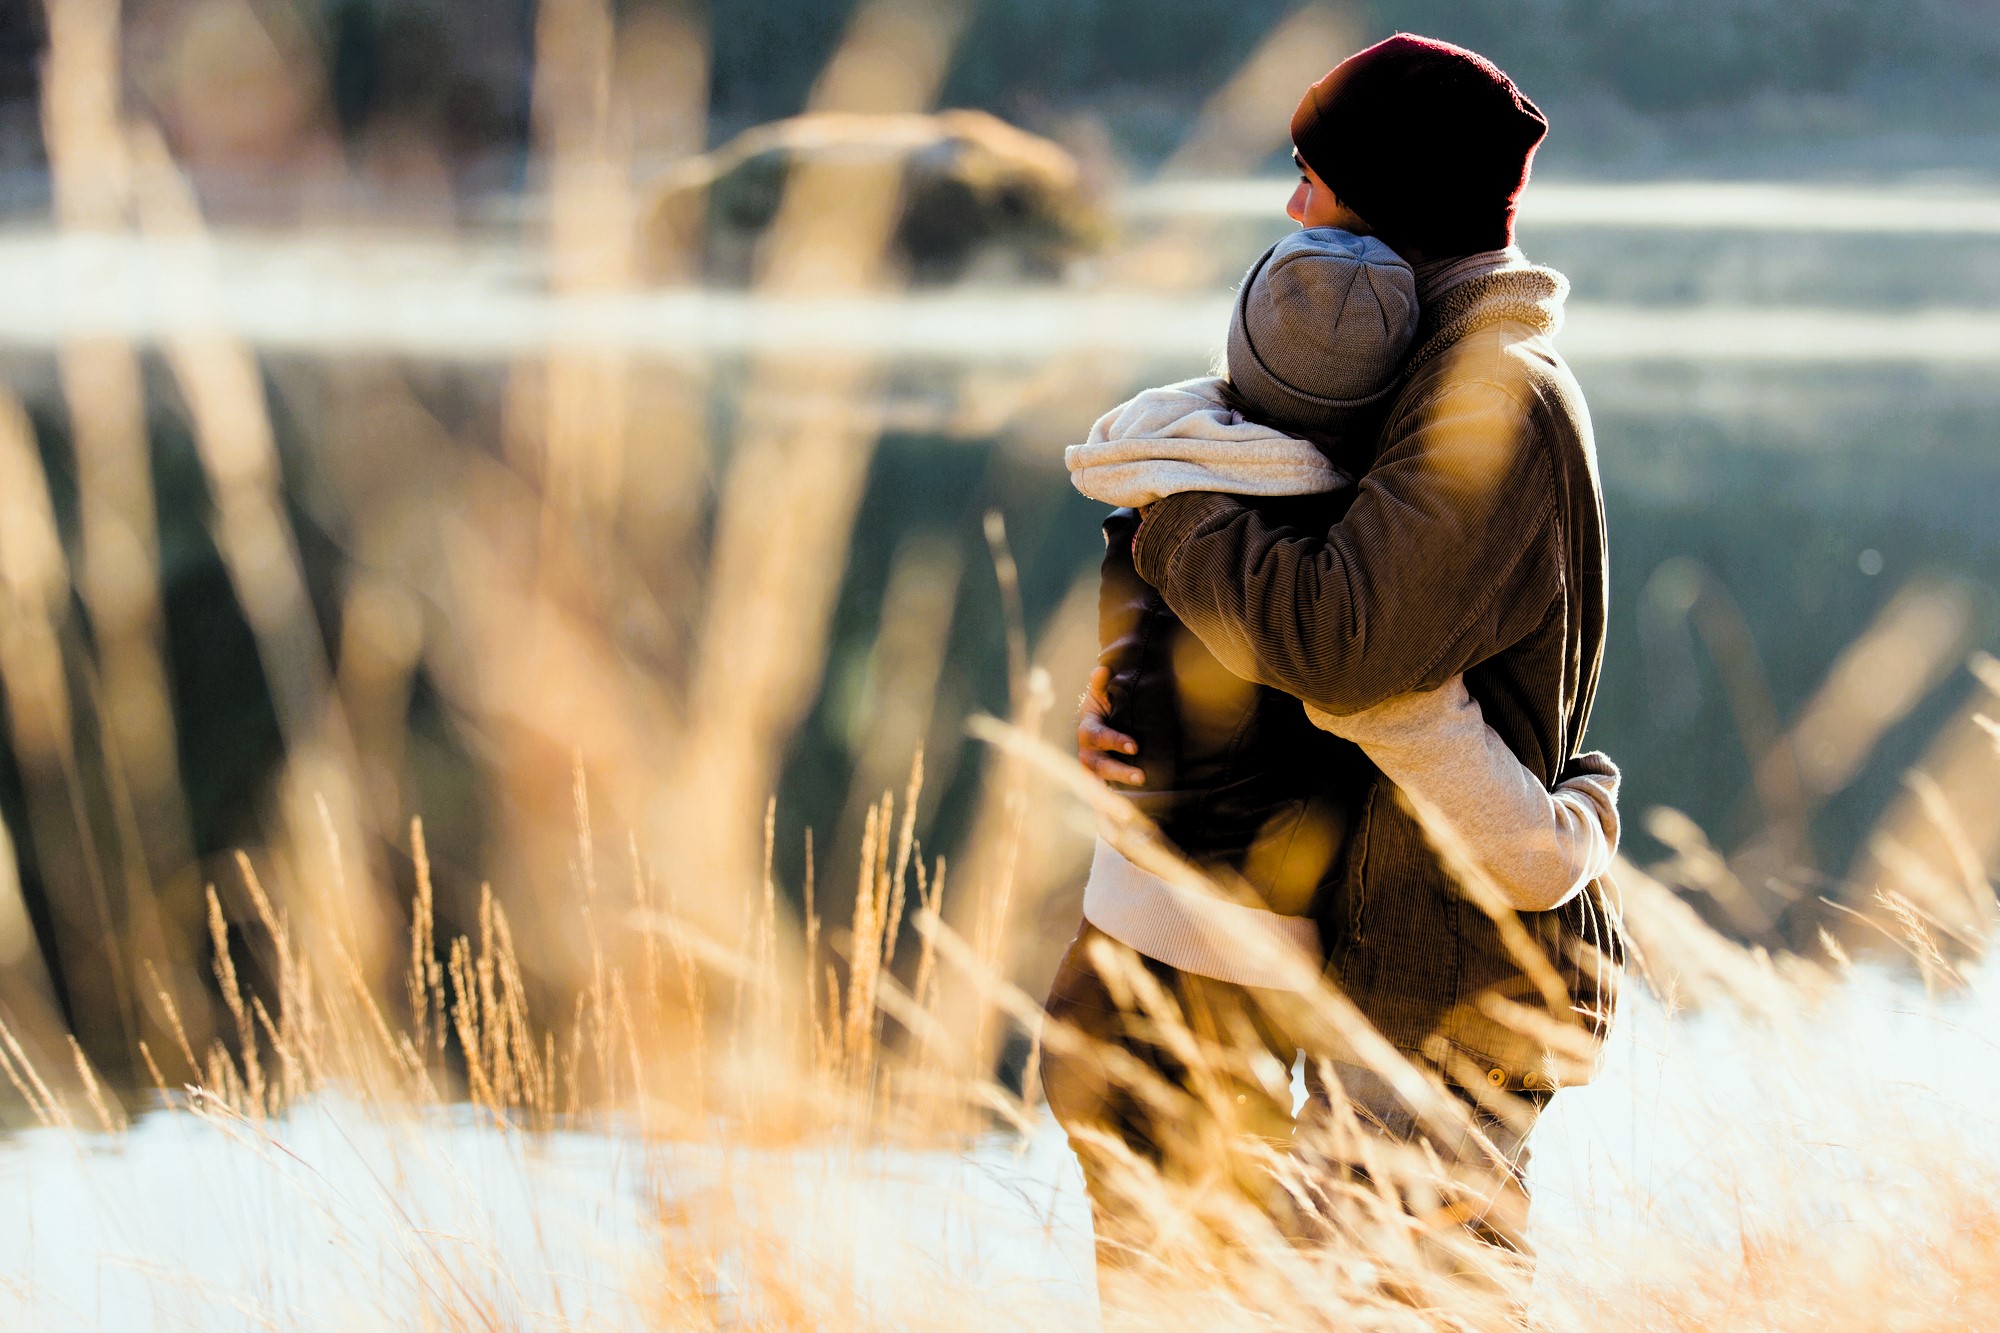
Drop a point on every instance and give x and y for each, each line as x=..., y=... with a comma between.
x=481, y=301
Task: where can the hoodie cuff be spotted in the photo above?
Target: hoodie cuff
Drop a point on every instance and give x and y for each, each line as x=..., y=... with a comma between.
x=1167, y=523
x=1591, y=763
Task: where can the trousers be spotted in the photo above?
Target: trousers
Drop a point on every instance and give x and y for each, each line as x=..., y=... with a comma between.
x=1165, y=1075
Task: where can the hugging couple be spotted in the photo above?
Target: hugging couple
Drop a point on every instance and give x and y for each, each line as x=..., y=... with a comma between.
x=1351, y=616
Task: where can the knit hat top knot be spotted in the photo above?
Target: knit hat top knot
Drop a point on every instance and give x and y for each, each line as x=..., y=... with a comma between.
x=1430, y=142
x=1321, y=326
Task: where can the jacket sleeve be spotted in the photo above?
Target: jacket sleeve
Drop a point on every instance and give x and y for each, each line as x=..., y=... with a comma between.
x=1121, y=607
x=1538, y=848
x=1448, y=554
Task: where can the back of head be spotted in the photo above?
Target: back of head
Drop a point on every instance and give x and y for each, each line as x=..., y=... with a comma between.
x=1321, y=326
x=1430, y=142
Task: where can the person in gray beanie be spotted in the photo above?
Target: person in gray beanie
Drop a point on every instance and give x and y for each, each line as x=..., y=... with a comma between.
x=1321, y=325
x=1251, y=786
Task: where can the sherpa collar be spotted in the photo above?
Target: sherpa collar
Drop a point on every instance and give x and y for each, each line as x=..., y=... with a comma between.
x=1527, y=294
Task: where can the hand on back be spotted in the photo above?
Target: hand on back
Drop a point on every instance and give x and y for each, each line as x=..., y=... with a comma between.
x=1097, y=744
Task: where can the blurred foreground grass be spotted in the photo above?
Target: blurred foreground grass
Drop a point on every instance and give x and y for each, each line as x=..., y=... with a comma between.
x=713, y=1133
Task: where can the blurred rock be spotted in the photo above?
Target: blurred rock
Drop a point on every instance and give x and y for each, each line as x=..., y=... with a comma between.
x=983, y=200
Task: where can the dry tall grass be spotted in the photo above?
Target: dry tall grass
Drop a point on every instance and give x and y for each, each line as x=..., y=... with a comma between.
x=633, y=661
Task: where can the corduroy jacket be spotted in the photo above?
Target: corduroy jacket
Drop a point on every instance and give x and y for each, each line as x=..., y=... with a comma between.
x=1474, y=544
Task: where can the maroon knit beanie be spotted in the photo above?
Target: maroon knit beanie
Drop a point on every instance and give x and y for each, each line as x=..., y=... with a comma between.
x=1427, y=141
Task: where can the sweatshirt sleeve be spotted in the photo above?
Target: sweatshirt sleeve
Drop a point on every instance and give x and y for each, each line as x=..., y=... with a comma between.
x=1539, y=848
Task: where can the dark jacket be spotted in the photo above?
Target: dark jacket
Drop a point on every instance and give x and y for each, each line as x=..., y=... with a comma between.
x=1236, y=776
x=1475, y=545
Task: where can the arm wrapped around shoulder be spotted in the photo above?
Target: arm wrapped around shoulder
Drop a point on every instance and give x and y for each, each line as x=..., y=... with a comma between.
x=1538, y=848
x=1450, y=553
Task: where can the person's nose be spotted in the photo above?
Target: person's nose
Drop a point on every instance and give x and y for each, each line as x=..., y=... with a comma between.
x=1296, y=209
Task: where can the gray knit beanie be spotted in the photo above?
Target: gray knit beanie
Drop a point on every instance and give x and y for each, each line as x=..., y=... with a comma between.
x=1321, y=327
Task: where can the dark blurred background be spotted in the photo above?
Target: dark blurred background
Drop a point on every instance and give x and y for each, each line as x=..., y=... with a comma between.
x=1633, y=85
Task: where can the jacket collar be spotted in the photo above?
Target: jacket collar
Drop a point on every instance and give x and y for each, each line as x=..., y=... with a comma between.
x=1521, y=293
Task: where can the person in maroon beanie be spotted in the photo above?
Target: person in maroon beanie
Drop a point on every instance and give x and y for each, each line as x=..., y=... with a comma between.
x=1429, y=142
x=1474, y=545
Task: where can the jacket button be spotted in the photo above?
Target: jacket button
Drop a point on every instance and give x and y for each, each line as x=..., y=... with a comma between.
x=1497, y=1077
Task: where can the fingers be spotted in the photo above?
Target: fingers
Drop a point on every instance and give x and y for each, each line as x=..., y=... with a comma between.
x=1098, y=745
x=1093, y=734
x=1110, y=770
x=1097, y=694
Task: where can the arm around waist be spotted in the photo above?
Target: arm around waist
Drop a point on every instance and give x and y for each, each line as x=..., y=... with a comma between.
x=1539, y=848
